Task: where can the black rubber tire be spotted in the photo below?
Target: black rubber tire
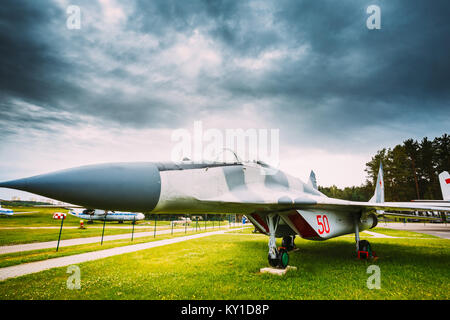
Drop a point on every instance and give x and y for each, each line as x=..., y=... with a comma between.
x=273, y=262
x=364, y=245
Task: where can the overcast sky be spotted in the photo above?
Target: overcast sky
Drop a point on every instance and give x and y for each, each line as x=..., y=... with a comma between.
x=115, y=89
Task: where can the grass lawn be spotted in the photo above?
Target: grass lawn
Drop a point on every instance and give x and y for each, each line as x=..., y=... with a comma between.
x=16, y=258
x=227, y=267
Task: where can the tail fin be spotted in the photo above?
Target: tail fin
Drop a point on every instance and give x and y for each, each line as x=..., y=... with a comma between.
x=312, y=182
x=378, y=196
x=444, y=180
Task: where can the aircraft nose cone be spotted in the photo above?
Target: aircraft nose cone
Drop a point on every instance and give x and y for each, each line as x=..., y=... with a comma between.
x=115, y=186
x=141, y=216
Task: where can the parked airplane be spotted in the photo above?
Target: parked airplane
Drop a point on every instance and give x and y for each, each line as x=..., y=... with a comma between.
x=444, y=180
x=5, y=212
x=278, y=204
x=96, y=214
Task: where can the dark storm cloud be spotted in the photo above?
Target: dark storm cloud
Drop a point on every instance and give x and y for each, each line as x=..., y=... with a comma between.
x=333, y=79
x=30, y=66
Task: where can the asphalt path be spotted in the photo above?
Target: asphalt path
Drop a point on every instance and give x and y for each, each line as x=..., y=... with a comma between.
x=441, y=230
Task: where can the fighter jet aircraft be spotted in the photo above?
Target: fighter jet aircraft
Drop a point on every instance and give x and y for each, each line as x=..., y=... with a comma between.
x=279, y=205
x=5, y=212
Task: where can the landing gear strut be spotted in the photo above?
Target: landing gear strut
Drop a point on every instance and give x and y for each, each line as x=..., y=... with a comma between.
x=363, y=248
x=278, y=258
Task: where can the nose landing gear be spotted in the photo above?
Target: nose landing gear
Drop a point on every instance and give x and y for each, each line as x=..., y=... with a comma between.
x=278, y=257
x=281, y=260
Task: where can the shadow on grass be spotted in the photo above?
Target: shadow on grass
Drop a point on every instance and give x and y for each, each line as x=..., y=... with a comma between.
x=343, y=251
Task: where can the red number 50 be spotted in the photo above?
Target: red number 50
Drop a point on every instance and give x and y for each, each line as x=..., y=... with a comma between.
x=324, y=225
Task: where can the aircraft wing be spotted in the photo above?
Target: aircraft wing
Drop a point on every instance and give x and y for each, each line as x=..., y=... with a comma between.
x=59, y=206
x=248, y=202
x=330, y=203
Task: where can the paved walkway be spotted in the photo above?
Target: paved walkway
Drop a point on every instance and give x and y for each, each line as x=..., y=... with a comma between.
x=33, y=267
x=435, y=229
x=78, y=241
x=377, y=235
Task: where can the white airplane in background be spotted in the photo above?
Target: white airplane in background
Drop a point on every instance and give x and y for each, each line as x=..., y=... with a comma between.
x=96, y=214
x=444, y=180
x=5, y=212
x=278, y=204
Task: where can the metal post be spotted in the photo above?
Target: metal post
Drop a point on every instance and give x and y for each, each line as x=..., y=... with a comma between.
x=205, y=221
x=196, y=223
x=60, y=230
x=185, y=224
x=132, y=232
x=154, y=231
x=171, y=223
x=103, y=231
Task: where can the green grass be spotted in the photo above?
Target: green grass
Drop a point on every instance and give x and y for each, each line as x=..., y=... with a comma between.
x=16, y=258
x=227, y=267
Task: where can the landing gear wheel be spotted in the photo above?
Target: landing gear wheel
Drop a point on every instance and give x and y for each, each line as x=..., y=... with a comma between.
x=281, y=260
x=364, y=245
x=273, y=262
x=364, y=250
x=288, y=243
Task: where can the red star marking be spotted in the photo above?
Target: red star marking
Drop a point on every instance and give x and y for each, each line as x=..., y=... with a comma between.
x=447, y=181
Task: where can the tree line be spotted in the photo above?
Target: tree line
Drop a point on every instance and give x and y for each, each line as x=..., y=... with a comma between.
x=410, y=170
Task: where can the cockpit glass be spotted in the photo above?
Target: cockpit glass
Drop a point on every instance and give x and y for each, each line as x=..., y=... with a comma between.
x=227, y=156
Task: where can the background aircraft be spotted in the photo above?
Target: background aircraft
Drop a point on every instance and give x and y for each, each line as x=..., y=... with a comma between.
x=278, y=204
x=6, y=212
x=96, y=214
x=444, y=180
